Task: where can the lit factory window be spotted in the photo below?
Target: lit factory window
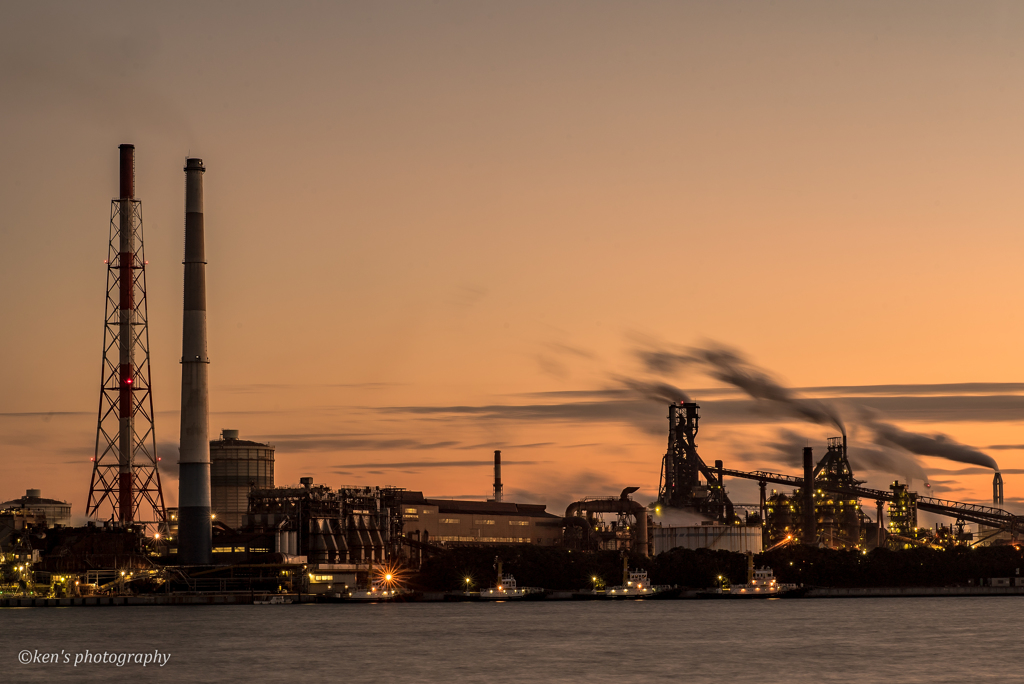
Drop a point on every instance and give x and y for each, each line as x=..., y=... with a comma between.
x=451, y=521
x=483, y=522
x=518, y=522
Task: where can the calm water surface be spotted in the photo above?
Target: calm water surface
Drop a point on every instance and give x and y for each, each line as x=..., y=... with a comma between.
x=961, y=640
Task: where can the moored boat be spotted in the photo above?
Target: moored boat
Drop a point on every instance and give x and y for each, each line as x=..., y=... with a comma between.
x=761, y=584
x=636, y=585
x=508, y=591
x=373, y=594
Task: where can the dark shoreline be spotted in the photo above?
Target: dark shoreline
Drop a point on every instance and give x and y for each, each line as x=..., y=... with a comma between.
x=439, y=597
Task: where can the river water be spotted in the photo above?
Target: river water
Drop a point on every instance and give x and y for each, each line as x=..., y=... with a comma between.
x=897, y=641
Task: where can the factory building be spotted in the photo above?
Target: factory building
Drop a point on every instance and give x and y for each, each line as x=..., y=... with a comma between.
x=431, y=523
x=236, y=465
x=452, y=523
x=322, y=525
x=52, y=511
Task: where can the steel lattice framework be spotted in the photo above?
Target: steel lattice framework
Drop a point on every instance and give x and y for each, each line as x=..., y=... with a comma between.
x=682, y=467
x=125, y=473
x=976, y=513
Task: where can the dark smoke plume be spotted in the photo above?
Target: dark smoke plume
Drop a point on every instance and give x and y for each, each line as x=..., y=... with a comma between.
x=887, y=460
x=729, y=367
x=929, y=445
x=653, y=389
x=788, y=447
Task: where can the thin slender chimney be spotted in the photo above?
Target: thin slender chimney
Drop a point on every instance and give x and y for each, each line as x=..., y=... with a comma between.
x=195, y=529
x=997, y=489
x=497, y=476
x=810, y=533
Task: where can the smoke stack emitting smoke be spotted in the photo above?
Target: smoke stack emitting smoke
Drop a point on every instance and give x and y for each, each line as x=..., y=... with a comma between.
x=729, y=366
x=929, y=445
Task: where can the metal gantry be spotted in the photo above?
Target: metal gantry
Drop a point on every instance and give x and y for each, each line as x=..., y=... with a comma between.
x=976, y=513
x=125, y=475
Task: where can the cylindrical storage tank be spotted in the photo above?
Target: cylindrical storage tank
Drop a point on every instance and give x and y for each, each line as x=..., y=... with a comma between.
x=735, y=538
x=235, y=465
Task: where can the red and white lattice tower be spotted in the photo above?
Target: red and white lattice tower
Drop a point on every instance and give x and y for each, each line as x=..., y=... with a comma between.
x=125, y=474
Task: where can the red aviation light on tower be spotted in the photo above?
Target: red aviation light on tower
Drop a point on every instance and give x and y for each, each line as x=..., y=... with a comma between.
x=125, y=479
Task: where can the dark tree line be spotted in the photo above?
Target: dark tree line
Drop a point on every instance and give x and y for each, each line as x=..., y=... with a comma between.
x=561, y=569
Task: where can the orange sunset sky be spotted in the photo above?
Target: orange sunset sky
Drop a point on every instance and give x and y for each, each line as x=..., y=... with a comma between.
x=439, y=229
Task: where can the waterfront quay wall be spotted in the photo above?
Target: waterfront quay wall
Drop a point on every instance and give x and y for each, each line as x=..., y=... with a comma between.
x=906, y=592
x=151, y=600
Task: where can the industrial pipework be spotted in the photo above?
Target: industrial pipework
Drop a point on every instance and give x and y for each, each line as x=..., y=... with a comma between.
x=580, y=514
x=195, y=530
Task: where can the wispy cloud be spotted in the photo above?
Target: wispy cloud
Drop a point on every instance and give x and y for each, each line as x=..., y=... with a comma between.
x=503, y=445
x=396, y=465
x=45, y=414
x=303, y=443
x=257, y=388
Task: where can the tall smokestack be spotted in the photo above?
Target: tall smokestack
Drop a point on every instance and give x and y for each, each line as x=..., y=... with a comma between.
x=997, y=489
x=810, y=533
x=497, y=476
x=126, y=336
x=195, y=531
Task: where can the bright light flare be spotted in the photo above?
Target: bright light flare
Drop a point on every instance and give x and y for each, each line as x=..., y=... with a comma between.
x=389, y=575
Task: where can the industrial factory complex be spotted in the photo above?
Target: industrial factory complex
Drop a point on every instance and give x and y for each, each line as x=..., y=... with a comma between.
x=237, y=531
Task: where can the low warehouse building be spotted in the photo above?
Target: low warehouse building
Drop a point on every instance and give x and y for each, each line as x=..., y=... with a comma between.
x=451, y=522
